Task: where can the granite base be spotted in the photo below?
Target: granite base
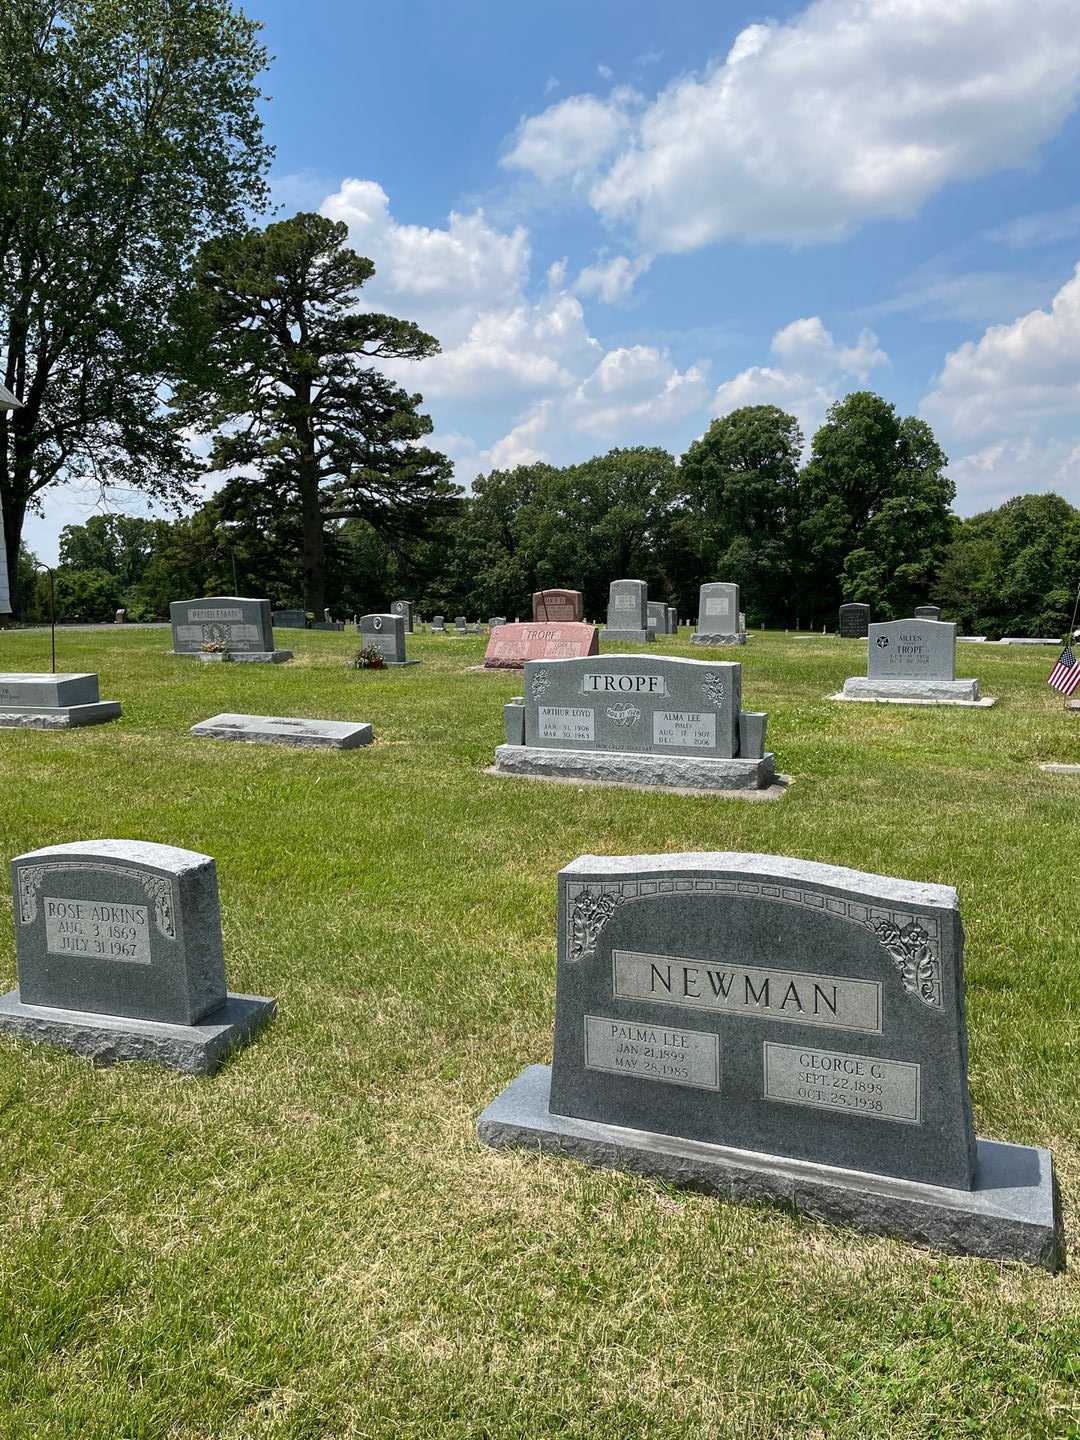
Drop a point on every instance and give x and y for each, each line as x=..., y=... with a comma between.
x=695, y=772
x=104, y=1039
x=1011, y=1214
x=58, y=717
x=927, y=692
x=700, y=638
x=1052, y=767
x=251, y=657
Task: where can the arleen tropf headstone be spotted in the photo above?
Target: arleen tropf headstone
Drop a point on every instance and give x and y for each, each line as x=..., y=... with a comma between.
x=718, y=615
x=386, y=633
x=286, y=730
x=405, y=609
x=854, y=621
x=768, y=1028
x=641, y=720
x=928, y=612
x=53, y=702
x=913, y=662
x=120, y=956
x=628, y=612
x=559, y=605
x=242, y=625
x=511, y=645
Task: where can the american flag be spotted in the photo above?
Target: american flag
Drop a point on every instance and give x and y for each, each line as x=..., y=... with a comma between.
x=1065, y=675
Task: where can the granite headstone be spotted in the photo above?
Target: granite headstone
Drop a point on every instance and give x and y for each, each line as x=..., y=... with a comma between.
x=928, y=612
x=386, y=633
x=46, y=701
x=718, y=615
x=511, y=645
x=289, y=619
x=560, y=605
x=286, y=730
x=242, y=625
x=913, y=661
x=854, y=621
x=405, y=609
x=628, y=614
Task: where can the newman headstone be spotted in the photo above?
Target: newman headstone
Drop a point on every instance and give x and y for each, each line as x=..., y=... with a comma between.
x=560, y=605
x=405, y=609
x=913, y=662
x=628, y=614
x=385, y=633
x=718, y=615
x=773, y=1029
x=642, y=720
x=510, y=646
x=854, y=621
x=242, y=625
x=53, y=702
x=119, y=952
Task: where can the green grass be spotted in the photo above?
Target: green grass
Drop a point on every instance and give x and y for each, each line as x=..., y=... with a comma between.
x=313, y=1244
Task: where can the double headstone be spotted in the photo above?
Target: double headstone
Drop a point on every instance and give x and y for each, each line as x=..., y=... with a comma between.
x=912, y=661
x=773, y=1029
x=636, y=719
x=386, y=634
x=510, y=646
x=404, y=608
x=854, y=621
x=240, y=626
x=563, y=606
x=719, y=621
x=628, y=613
x=119, y=952
x=53, y=702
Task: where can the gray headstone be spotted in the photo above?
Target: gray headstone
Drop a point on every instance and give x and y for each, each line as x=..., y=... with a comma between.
x=770, y=1028
x=289, y=619
x=657, y=615
x=628, y=616
x=405, y=609
x=854, y=621
x=386, y=633
x=44, y=701
x=718, y=615
x=242, y=624
x=494, y=620
x=912, y=650
x=928, y=612
x=438, y=623
x=461, y=625
x=672, y=620
x=286, y=730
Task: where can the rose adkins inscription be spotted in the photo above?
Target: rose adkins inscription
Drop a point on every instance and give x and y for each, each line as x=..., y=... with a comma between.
x=509, y=646
x=120, y=955
x=720, y=1016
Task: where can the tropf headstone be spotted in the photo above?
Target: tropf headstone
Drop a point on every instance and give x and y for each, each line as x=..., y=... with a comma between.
x=854, y=621
x=628, y=613
x=53, y=702
x=386, y=633
x=242, y=625
x=773, y=1029
x=511, y=645
x=120, y=957
x=718, y=615
x=913, y=662
x=644, y=720
x=560, y=605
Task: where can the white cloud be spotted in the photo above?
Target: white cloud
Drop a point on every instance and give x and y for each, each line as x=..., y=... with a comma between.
x=611, y=280
x=812, y=371
x=1046, y=227
x=989, y=476
x=850, y=112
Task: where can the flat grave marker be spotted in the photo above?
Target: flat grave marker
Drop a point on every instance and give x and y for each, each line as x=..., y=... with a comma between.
x=286, y=730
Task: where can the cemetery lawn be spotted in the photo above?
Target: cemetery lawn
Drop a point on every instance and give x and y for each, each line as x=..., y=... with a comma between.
x=313, y=1243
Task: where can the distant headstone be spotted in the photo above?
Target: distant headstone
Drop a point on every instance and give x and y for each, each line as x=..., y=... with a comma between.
x=496, y=620
x=742, y=622
x=53, y=702
x=120, y=617
x=718, y=615
x=438, y=624
x=286, y=730
x=386, y=633
x=644, y=720
x=766, y=1028
x=242, y=625
x=404, y=608
x=558, y=605
x=511, y=645
x=927, y=612
x=461, y=625
x=854, y=621
x=656, y=614
x=120, y=956
x=672, y=620
x=289, y=619
x=628, y=616
x=912, y=662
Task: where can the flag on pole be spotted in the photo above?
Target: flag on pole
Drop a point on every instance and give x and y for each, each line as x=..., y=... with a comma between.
x=1065, y=675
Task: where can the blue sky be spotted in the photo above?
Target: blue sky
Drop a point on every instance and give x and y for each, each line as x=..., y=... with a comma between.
x=623, y=219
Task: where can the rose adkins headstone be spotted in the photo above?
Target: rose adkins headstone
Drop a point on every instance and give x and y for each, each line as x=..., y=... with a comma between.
x=242, y=624
x=53, y=702
x=768, y=1028
x=628, y=613
x=559, y=605
x=120, y=956
x=913, y=662
x=386, y=633
x=718, y=615
x=635, y=719
x=854, y=621
x=511, y=645
x=404, y=608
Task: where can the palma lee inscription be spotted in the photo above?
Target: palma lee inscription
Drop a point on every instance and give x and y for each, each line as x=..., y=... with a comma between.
x=794, y=995
x=652, y=1052
x=831, y=1080
x=97, y=929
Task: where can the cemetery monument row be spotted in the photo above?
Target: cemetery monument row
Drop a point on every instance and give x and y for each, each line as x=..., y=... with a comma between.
x=119, y=953
x=636, y=719
x=561, y=605
x=773, y=1029
x=509, y=646
x=386, y=633
x=53, y=702
x=854, y=621
x=241, y=625
x=719, y=620
x=913, y=662
x=628, y=617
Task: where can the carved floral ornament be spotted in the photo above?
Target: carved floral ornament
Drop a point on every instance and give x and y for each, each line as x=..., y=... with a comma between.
x=906, y=940
x=540, y=682
x=157, y=889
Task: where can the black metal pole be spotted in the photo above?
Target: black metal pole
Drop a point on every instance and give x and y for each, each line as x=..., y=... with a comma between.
x=52, y=609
